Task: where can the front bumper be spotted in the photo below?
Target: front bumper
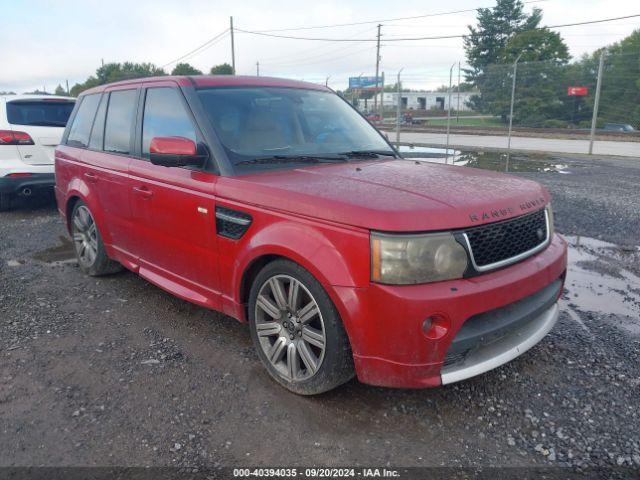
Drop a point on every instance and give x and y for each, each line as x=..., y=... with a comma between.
x=385, y=323
x=34, y=181
x=487, y=356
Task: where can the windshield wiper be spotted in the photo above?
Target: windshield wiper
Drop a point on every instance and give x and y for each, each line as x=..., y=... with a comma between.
x=368, y=153
x=293, y=159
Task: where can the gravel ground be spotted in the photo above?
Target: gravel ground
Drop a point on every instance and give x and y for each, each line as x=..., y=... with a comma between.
x=114, y=371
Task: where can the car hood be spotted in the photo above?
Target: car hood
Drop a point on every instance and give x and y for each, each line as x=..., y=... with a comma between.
x=393, y=195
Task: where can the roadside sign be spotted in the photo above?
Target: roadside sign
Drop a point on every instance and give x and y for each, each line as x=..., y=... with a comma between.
x=364, y=83
x=577, y=91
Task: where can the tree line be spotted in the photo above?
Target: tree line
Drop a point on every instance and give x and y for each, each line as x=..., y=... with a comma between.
x=114, y=72
x=505, y=33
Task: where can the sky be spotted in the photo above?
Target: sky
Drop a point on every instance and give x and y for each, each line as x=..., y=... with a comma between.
x=47, y=43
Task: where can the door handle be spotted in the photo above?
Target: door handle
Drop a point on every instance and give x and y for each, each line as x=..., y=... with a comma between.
x=143, y=192
x=92, y=177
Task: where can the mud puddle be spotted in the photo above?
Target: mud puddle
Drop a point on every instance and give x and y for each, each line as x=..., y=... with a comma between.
x=604, y=278
x=62, y=253
x=412, y=151
x=495, y=161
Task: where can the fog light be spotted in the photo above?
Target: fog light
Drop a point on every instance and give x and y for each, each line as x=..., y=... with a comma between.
x=426, y=325
x=435, y=327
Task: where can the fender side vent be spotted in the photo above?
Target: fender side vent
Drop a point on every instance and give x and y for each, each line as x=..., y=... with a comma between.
x=232, y=223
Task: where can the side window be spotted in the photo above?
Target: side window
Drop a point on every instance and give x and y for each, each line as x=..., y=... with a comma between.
x=120, y=115
x=97, y=132
x=165, y=116
x=81, y=127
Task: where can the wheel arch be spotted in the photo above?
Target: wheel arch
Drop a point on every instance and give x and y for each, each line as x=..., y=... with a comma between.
x=68, y=209
x=251, y=272
x=79, y=191
x=334, y=256
x=259, y=262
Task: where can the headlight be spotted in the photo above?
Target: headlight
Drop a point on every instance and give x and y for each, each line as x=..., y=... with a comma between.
x=550, y=217
x=408, y=259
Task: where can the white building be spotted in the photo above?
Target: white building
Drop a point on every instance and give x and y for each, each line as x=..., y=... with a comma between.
x=425, y=100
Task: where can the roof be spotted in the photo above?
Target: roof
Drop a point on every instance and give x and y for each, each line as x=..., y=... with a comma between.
x=216, y=81
x=11, y=98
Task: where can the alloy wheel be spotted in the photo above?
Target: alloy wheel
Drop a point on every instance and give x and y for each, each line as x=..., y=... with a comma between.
x=290, y=327
x=85, y=236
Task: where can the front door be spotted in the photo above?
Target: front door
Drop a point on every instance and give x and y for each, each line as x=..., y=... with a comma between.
x=173, y=209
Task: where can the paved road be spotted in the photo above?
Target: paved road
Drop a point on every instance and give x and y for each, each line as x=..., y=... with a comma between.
x=547, y=145
x=114, y=371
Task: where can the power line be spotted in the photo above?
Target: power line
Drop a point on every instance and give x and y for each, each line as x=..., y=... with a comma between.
x=381, y=21
x=320, y=59
x=317, y=48
x=203, y=46
x=441, y=37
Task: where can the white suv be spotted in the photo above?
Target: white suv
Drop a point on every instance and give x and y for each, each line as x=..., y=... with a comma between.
x=31, y=127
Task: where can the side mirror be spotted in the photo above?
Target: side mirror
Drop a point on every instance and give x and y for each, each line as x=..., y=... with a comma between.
x=175, y=152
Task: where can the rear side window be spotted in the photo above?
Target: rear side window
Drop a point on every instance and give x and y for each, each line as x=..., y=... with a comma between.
x=97, y=133
x=165, y=116
x=81, y=126
x=118, y=127
x=40, y=113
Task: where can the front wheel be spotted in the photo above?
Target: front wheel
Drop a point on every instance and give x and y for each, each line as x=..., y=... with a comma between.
x=297, y=330
x=87, y=241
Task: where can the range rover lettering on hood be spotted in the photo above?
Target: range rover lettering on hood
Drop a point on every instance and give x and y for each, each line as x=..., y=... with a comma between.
x=538, y=202
x=506, y=212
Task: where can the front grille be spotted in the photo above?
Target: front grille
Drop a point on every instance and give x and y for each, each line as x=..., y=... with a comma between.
x=501, y=241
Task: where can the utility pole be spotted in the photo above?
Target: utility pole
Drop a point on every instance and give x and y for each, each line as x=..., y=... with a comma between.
x=446, y=152
x=258, y=69
x=596, y=104
x=458, y=107
x=513, y=99
x=375, y=97
x=382, y=100
x=68, y=93
x=326, y=82
x=398, y=111
x=233, y=47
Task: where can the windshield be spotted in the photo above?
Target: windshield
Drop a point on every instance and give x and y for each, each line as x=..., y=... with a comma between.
x=40, y=113
x=261, y=123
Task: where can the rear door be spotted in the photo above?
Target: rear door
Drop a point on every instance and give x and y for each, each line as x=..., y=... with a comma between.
x=44, y=120
x=106, y=167
x=173, y=208
x=69, y=167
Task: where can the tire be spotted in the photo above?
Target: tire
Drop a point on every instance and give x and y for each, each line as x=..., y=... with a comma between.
x=298, y=333
x=87, y=242
x=5, y=202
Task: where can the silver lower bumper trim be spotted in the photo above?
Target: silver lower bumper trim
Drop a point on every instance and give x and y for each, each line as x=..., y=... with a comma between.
x=492, y=355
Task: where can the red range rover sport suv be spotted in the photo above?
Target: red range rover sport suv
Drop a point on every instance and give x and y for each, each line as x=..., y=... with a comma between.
x=275, y=202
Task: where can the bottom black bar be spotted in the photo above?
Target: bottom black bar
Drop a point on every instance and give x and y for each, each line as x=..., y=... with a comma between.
x=413, y=473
